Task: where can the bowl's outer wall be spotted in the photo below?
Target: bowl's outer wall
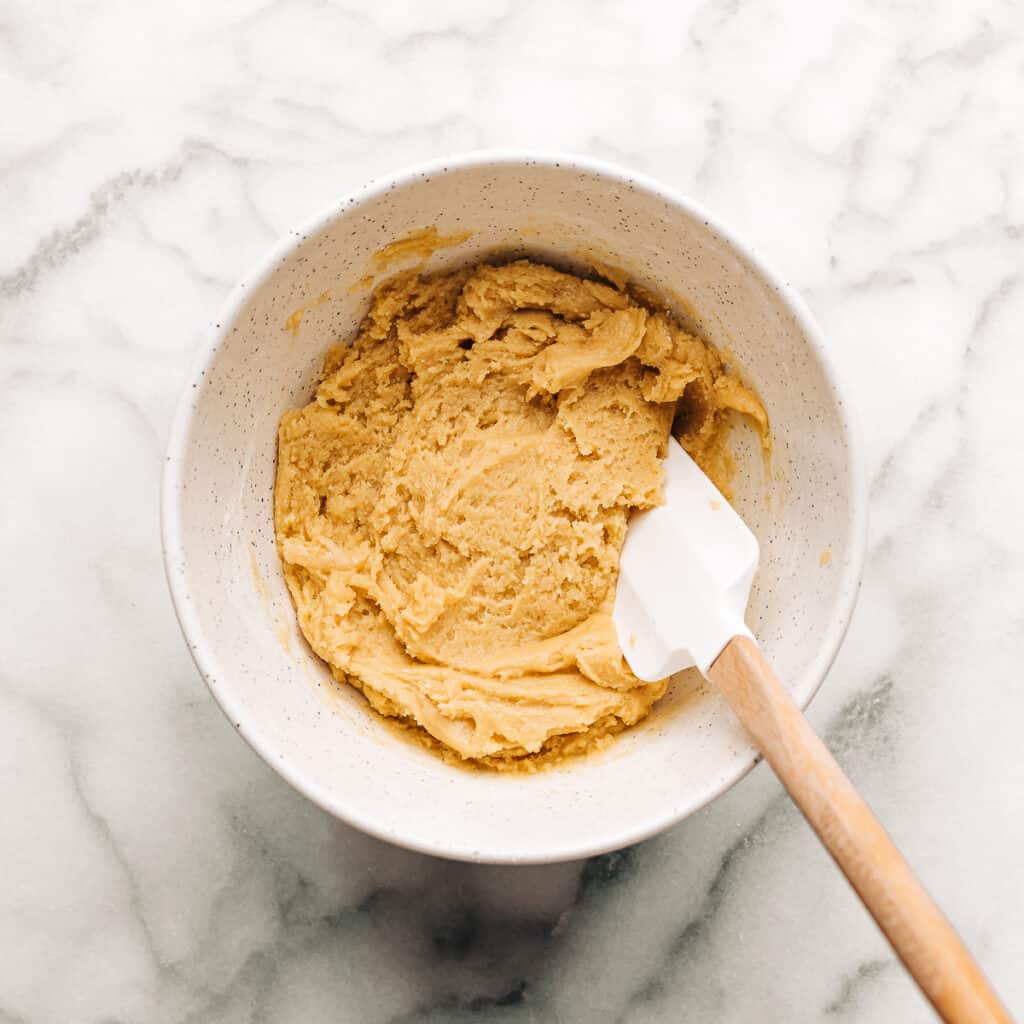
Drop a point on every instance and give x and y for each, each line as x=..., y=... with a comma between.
x=226, y=579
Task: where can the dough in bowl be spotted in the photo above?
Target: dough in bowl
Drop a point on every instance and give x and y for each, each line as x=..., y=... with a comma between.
x=451, y=505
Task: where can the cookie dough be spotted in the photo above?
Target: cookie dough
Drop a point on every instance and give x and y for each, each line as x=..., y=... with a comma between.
x=451, y=505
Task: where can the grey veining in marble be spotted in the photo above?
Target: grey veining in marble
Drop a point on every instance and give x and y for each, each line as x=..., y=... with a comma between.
x=151, y=868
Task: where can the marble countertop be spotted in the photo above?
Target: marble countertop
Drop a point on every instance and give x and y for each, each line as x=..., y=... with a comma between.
x=151, y=867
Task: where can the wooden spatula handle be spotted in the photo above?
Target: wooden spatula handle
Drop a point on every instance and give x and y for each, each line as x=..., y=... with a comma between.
x=919, y=933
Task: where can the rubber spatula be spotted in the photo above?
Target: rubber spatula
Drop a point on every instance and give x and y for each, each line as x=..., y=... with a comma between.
x=684, y=582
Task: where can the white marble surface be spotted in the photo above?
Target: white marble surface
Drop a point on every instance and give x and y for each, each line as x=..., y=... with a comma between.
x=151, y=868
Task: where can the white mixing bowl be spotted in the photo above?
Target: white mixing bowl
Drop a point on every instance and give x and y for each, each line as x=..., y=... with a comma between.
x=263, y=357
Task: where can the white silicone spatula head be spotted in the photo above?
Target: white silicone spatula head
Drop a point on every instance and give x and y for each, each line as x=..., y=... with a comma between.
x=684, y=575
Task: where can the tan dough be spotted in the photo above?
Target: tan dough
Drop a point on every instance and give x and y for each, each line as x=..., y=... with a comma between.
x=451, y=505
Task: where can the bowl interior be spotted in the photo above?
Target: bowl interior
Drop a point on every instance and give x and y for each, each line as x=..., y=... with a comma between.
x=265, y=357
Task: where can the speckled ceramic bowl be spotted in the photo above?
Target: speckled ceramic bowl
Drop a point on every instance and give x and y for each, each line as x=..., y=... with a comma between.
x=263, y=357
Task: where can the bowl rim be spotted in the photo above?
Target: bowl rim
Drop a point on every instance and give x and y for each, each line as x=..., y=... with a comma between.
x=178, y=440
